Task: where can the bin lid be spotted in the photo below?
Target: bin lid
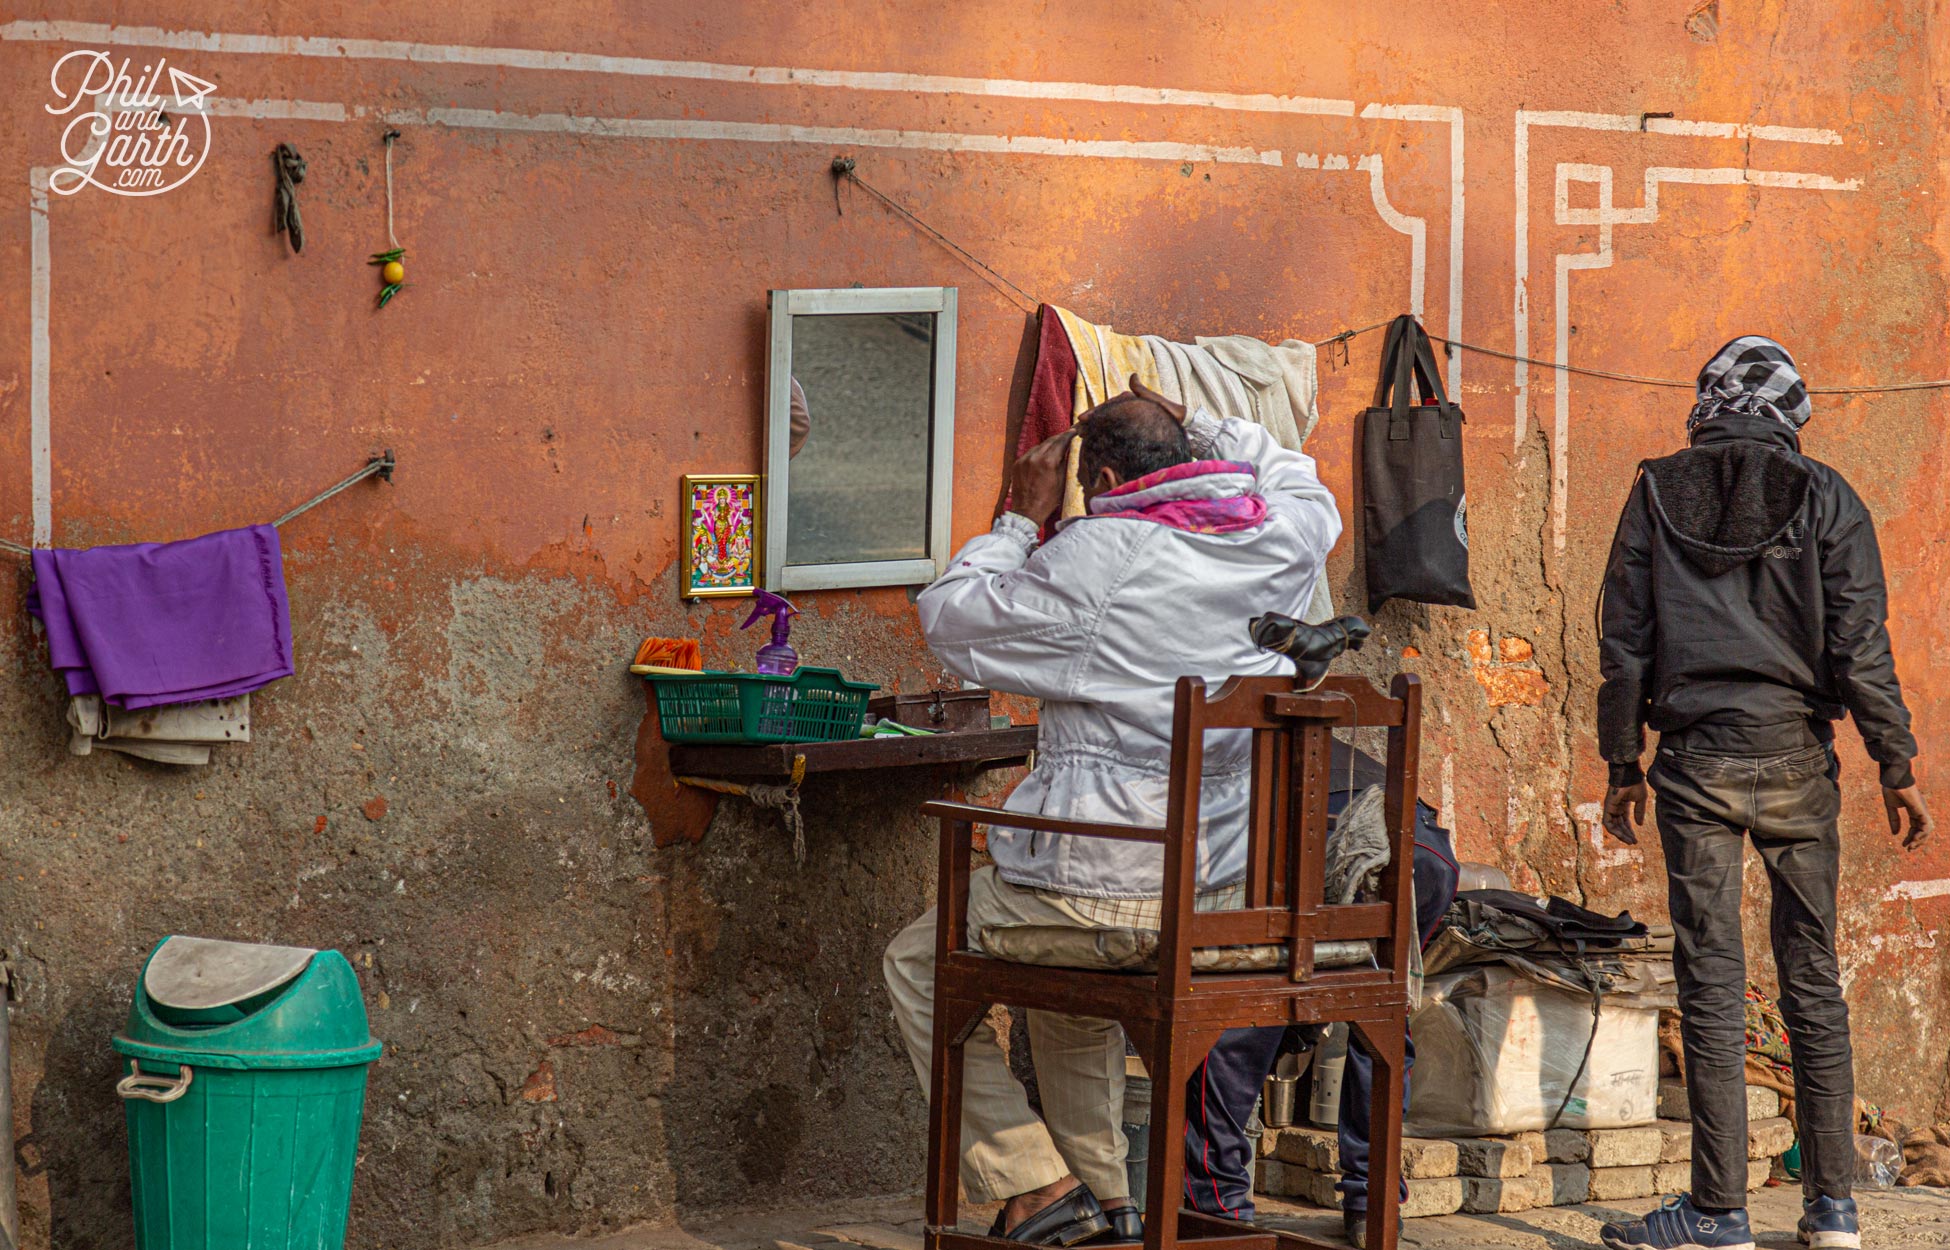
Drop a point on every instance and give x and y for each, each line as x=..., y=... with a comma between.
x=194, y=974
x=218, y=1004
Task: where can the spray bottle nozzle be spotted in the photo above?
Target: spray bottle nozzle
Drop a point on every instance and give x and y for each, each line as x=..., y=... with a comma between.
x=778, y=657
x=778, y=608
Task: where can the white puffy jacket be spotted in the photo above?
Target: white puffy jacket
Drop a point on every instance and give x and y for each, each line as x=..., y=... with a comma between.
x=1100, y=623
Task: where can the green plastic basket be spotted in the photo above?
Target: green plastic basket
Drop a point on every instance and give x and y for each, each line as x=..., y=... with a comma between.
x=812, y=705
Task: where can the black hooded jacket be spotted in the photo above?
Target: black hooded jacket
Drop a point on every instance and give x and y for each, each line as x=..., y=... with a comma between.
x=1745, y=589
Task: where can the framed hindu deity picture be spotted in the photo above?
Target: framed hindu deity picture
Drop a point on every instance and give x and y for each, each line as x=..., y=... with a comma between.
x=721, y=534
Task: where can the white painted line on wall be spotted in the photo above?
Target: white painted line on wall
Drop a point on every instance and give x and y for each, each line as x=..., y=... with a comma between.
x=1606, y=851
x=1525, y=119
x=1453, y=116
x=1520, y=312
x=1605, y=216
x=102, y=35
x=280, y=110
x=1916, y=889
x=39, y=450
x=1741, y=130
x=845, y=136
x=1414, y=227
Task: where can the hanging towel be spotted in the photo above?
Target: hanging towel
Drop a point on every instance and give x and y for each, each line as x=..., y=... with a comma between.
x=1195, y=378
x=1282, y=379
x=1105, y=362
x=1052, y=389
x=155, y=623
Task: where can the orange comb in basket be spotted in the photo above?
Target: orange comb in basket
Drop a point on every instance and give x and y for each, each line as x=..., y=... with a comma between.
x=679, y=654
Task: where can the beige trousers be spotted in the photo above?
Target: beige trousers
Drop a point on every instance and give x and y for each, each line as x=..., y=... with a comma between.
x=1005, y=1149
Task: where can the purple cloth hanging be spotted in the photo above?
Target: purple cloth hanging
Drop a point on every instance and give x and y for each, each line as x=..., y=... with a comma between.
x=155, y=623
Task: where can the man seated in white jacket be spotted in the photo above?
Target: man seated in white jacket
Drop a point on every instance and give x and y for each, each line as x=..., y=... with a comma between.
x=1192, y=530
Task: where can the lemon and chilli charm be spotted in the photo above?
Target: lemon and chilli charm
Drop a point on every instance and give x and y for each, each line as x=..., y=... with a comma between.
x=392, y=272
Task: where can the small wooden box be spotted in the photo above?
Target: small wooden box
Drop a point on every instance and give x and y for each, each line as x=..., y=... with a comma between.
x=941, y=711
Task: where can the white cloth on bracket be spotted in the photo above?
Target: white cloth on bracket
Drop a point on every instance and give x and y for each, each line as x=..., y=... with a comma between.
x=1099, y=623
x=175, y=733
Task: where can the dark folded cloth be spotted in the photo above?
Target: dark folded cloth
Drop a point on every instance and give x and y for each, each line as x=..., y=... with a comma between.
x=1557, y=919
x=155, y=623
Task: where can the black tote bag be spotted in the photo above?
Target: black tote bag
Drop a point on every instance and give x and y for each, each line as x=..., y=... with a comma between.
x=1415, y=515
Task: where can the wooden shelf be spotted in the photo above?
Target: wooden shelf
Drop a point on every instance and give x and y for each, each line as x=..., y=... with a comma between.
x=980, y=748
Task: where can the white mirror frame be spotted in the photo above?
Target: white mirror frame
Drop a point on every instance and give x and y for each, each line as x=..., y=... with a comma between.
x=783, y=306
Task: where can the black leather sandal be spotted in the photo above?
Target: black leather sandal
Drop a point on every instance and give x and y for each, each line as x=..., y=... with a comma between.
x=1070, y=1220
x=1126, y=1225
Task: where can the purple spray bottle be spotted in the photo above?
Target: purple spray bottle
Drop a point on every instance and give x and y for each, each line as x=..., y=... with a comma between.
x=776, y=658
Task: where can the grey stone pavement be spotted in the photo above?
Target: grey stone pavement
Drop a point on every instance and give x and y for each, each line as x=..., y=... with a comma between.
x=1904, y=1219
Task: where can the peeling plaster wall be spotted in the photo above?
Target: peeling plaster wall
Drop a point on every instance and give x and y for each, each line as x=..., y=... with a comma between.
x=600, y=1011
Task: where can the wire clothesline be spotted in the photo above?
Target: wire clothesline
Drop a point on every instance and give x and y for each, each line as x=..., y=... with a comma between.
x=844, y=170
x=1874, y=388
x=380, y=466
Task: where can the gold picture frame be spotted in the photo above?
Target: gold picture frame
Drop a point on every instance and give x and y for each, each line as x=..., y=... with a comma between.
x=721, y=555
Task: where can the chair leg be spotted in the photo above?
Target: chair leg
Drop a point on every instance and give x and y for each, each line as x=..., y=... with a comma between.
x=1382, y=1040
x=1172, y=1053
x=954, y=1021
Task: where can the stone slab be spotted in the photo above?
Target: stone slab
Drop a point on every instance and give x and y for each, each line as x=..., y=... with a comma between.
x=1621, y=1184
x=1493, y=1157
x=1624, y=1147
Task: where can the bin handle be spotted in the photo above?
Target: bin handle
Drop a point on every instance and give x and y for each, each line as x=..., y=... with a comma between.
x=153, y=1087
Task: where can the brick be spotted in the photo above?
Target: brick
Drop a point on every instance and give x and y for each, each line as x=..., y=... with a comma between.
x=1310, y=1148
x=1490, y=1195
x=1566, y=1145
x=1675, y=1177
x=1533, y=1141
x=1762, y=1103
x=1488, y=1156
x=1676, y=1141
x=1270, y=1178
x=1624, y=1147
x=1758, y=1170
x=1570, y=1183
x=1767, y=1138
x=1427, y=1158
x=1621, y=1184
x=1307, y=1186
x=1673, y=1104
x=1433, y=1195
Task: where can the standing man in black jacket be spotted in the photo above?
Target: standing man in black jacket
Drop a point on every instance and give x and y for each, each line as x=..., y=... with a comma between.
x=1743, y=613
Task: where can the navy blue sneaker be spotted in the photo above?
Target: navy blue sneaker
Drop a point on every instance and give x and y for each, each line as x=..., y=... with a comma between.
x=1829, y=1224
x=1679, y=1225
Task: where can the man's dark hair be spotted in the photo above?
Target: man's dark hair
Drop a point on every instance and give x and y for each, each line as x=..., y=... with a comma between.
x=1132, y=436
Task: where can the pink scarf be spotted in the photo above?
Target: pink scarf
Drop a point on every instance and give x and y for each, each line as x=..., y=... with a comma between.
x=1203, y=497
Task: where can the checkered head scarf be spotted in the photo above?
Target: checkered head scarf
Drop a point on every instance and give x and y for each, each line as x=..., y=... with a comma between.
x=1751, y=376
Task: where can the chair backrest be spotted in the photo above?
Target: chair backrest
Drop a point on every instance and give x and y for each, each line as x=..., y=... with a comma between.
x=1292, y=745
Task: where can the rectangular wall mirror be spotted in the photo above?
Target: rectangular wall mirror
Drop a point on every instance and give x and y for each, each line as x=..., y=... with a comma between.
x=859, y=437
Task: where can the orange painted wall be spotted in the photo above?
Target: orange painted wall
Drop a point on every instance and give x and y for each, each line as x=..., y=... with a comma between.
x=586, y=323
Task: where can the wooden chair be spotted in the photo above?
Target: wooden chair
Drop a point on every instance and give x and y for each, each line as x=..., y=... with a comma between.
x=1173, y=1016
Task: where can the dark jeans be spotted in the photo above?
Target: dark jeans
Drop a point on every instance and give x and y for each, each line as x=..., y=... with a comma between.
x=1219, y=1097
x=1788, y=803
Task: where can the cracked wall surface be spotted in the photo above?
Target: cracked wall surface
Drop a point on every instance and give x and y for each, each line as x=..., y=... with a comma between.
x=608, y=1000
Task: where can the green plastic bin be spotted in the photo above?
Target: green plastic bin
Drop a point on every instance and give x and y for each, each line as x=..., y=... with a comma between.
x=245, y=1081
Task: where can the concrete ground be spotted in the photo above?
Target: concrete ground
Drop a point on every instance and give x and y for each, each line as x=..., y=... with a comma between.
x=1905, y=1219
